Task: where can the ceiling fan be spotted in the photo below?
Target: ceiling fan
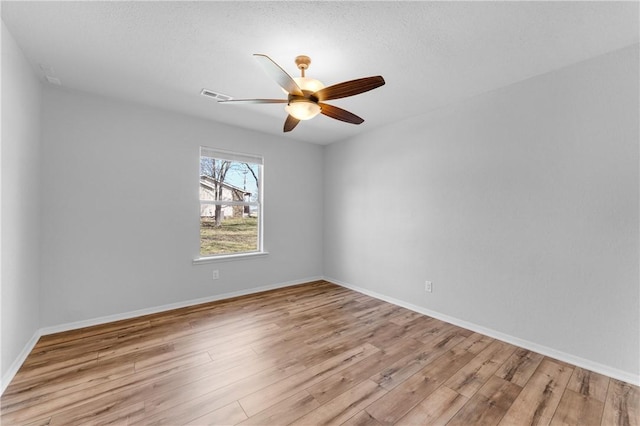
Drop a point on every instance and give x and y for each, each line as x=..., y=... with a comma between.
x=306, y=96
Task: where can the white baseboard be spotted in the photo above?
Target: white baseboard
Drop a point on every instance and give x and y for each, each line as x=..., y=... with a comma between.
x=17, y=363
x=596, y=367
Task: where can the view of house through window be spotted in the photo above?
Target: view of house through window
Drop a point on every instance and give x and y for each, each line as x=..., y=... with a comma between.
x=230, y=202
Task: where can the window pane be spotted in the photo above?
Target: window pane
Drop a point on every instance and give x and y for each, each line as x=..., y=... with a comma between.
x=228, y=229
x=225, y=180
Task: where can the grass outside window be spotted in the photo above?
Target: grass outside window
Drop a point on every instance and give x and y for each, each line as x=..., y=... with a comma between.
x=234, y=235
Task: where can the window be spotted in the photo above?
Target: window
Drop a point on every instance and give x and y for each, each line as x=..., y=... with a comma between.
x=230, y=203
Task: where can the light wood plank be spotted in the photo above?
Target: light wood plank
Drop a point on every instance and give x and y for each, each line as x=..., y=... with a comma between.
x=186, y=403
x=475, y=343
x=228, y=415
x=520, y=366
x=475, y=374
x=489, y=405
x=577, y=409
x=622, y=406
x=345, y=406
x=286, y=411
x=338, y=383
x=262, y=399
x=404, y=317
x=436, y=409
x=402, y=398
x=134, y=385
x=36, y=369
x=101, y=412
x=541, y=395
x=362, y=419
x=69, y=381
x=588, y=383
x=404, y=368
x=44, y=422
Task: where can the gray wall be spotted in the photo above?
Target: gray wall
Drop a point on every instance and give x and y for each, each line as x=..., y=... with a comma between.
x=121, y=209
x=21, y=149
x=521, y=205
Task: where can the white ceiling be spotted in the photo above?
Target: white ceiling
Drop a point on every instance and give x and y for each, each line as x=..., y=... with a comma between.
x=430, y=53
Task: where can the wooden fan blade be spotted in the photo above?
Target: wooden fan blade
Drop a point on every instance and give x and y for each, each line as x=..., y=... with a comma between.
x=339, y=114
x=349, y=88
x=278, y=74
x=290, y=123
x=254, y=101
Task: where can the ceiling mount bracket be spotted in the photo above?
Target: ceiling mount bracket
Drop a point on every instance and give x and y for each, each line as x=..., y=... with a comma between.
x=302, y=62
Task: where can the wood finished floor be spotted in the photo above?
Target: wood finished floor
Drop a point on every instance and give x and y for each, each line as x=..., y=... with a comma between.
x=305, y=355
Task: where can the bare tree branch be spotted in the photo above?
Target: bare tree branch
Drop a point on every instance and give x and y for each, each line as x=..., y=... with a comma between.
x=254, y=174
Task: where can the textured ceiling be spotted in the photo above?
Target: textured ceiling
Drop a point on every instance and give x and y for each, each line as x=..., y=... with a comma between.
x=430, y=53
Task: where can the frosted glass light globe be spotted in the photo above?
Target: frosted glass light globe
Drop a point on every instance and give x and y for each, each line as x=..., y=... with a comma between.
x=302, y=109
x=308, y=84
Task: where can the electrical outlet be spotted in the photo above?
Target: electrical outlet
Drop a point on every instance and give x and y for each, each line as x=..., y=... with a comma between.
x=216, y=274
x=428, y=286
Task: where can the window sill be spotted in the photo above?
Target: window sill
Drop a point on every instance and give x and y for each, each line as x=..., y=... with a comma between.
x=229, y=257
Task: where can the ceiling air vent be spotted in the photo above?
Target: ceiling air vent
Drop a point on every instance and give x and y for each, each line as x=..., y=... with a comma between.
x=214, y=95
x=53, y=80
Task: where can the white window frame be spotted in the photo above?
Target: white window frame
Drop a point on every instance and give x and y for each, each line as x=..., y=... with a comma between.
x=219, y=154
